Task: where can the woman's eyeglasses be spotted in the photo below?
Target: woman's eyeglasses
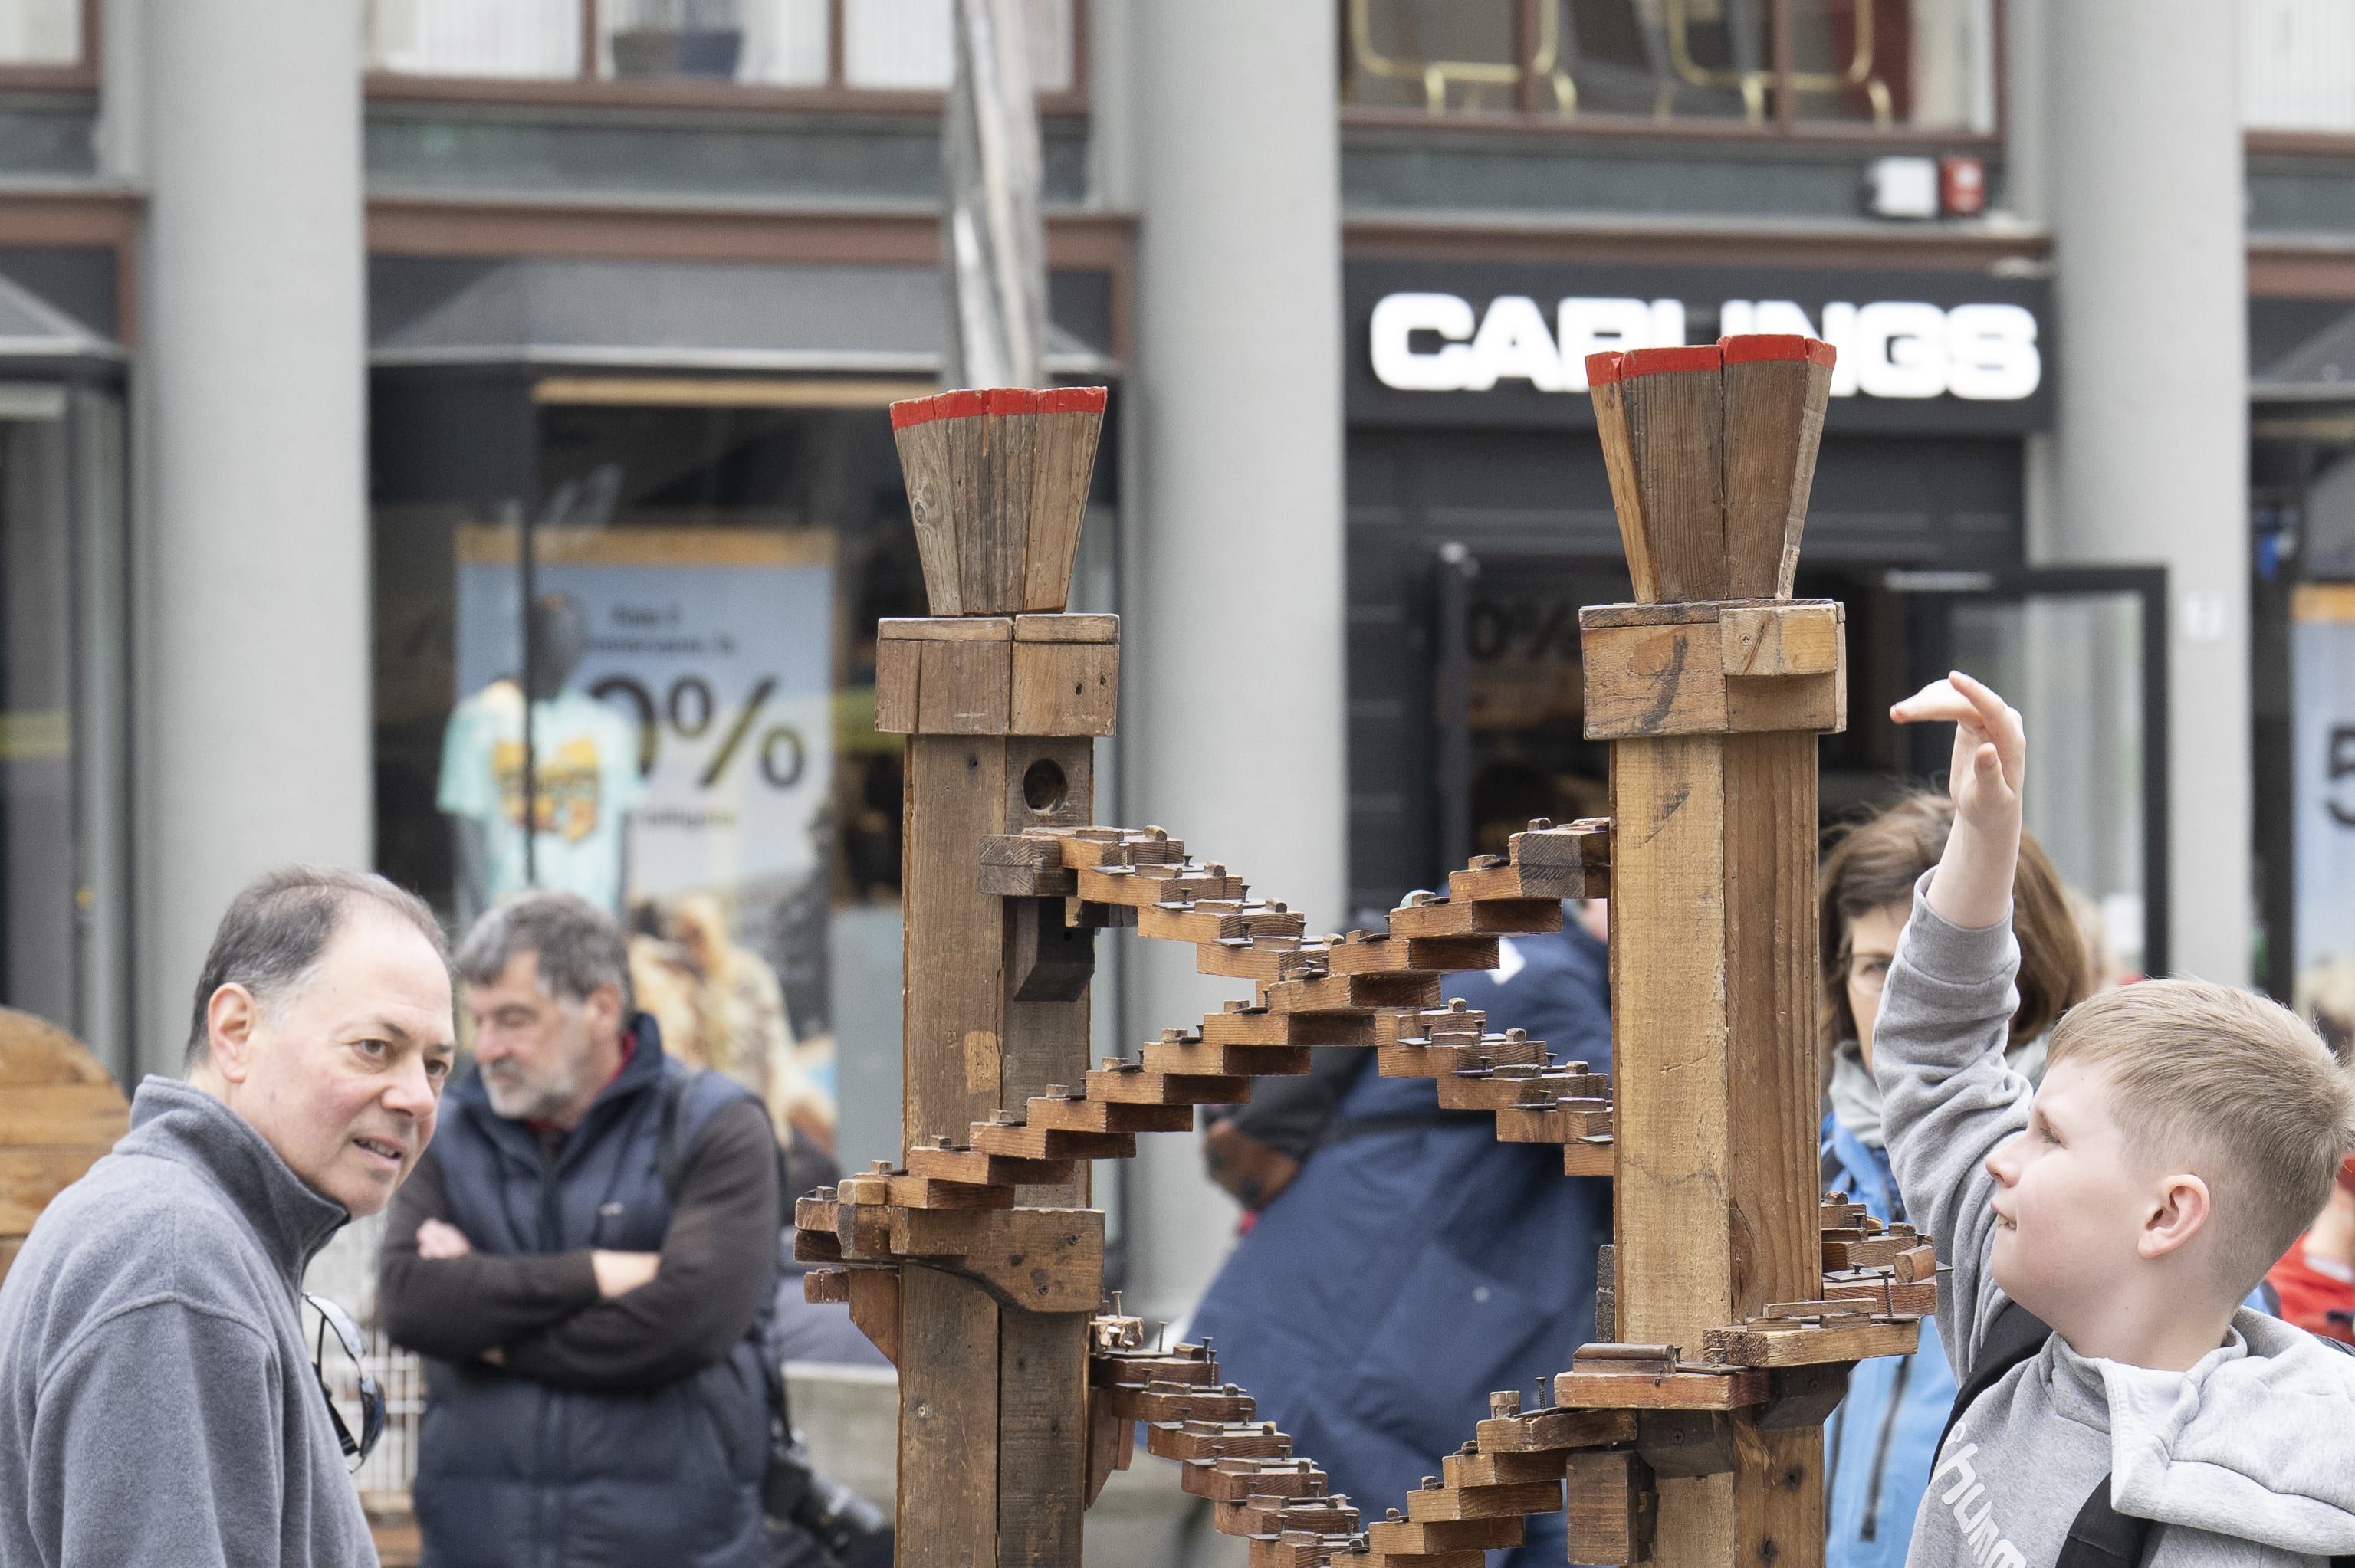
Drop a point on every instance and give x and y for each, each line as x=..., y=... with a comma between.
x=371, y=1396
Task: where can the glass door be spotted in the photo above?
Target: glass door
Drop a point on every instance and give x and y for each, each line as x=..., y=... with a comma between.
x=63, y=873
x=2082, y=653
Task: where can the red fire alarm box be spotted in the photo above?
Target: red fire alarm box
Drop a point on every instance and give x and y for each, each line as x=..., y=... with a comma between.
x=1962, y=185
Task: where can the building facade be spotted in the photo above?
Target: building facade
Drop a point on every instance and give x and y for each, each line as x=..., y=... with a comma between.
x=375, y=374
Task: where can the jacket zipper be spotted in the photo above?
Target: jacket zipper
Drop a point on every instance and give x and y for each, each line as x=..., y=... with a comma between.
x=551, y=1227
x=1870, y=1526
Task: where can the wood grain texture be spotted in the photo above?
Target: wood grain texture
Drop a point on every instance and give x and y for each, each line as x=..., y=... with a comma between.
x=968, y=502
x=956, y=793
x=1778, y=1489
x=899, y=672
x=1780, y=639
x=944, y=629
x=1676, y=435
x=1065, y=688
x=1673, y=679
x=62, y=1114
x=1044, y=1043
x=1771, y=988
x=1774, y=425
x=874, y=1296
x=1653, y=680
x=1058, y=500
x=1042, y=1440
x=963, y=688
x=924, y=465
x=1611, y=425
x=1609, y=1513
x=1673, y=1246
x=1067, y=628
x=948, y=1421
x=1813, y=1347
x=1013, y=424
x=35, y=1051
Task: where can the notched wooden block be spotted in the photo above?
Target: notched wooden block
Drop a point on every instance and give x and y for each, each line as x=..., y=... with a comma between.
x=1024, y=866
x=1667, y=670
x=1046, y=959
x=1780, y=639
x=1788, y=1343
x=1065, y=688
x=1613, y=1506
x=1685, y=1442
x=944, y=676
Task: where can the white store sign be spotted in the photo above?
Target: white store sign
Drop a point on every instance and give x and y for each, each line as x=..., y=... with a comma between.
x=1888, y=348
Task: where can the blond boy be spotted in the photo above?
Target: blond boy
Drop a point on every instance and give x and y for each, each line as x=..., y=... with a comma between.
x=2184, y=1134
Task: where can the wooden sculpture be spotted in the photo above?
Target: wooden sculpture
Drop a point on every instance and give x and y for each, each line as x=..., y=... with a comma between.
x=1733, y=1301
x=59, y=1113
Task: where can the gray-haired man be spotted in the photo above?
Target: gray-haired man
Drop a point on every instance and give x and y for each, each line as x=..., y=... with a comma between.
x=595, y=1389
x=157, y=1400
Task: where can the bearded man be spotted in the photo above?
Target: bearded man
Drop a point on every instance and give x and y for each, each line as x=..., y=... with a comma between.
x=583, y=1259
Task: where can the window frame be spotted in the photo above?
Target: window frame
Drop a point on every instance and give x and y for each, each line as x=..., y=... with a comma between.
x=836, y=97
x=1781, y=122
x=82, y=75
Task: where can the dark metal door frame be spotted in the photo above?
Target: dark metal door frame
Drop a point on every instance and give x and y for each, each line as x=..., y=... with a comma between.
x=1932, y=640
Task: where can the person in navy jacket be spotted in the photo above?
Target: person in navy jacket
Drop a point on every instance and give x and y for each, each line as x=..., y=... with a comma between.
x=1413, y=1264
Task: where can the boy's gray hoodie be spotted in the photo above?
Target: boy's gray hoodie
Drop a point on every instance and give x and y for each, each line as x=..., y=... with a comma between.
x=2247, y=1458
x=158, y=1402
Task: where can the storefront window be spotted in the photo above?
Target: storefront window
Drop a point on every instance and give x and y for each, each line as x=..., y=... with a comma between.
x=885, y=44
x=1927, y=64
x=42, y=32
x=63, y=877
x=2297, y=65
x=693, y=609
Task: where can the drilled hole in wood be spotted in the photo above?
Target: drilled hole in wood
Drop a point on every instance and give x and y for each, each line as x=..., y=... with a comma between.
x=1043, y=785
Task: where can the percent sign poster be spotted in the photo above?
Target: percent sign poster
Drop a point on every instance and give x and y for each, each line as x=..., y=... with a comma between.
x=716, y=647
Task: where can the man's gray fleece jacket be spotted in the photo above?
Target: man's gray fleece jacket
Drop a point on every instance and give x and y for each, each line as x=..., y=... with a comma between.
x=2247, y=1458
x=158, y=1402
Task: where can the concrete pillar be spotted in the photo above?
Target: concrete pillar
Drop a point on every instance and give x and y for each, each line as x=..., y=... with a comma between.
x=1234, y=698
x=2150, y=452
x=252, y=545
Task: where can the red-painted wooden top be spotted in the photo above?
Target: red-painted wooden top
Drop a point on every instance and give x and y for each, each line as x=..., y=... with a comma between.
x=1000, y=400
x=1750, y=347
x=1615, y=365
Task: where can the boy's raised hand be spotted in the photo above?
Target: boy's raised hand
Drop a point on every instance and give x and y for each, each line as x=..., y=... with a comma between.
x=1972, y=884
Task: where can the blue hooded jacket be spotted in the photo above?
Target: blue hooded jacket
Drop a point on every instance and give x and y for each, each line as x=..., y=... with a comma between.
x=1880, y=1442
x=1415, y=1263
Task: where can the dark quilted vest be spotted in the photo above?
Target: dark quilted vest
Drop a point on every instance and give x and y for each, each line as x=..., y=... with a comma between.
x=513, y=1474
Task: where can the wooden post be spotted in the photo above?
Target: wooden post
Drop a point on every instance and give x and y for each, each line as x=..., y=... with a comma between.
x=993, y=1462
x=1711, y=704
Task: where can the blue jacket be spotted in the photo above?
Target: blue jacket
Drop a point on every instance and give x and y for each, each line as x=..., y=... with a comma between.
x=1880, y=1442
x=517, y=1474
x=1408, y=1271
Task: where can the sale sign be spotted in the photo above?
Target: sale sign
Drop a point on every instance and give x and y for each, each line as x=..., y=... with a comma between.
x=683, y=773
x=2322, y=741
x=716, y=645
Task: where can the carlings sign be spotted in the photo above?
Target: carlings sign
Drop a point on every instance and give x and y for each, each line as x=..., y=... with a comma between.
x=1962, y=352
x=1888, y=348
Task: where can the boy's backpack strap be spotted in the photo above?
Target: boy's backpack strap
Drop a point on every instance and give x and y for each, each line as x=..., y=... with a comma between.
x=2014, y=1335
x=2101, y=1537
